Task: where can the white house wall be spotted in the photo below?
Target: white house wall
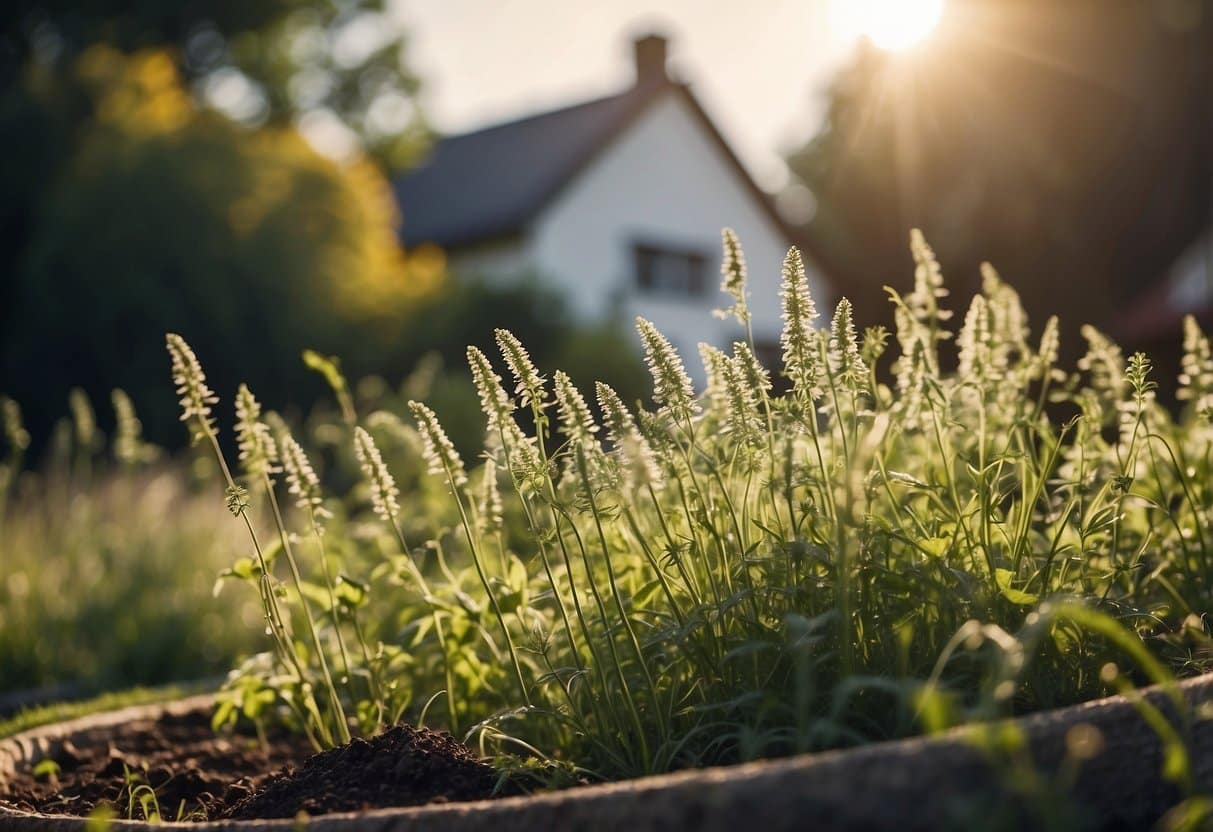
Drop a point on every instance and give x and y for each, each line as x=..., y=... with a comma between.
x=1191, y=278
x=506, y=259
x=664, y=181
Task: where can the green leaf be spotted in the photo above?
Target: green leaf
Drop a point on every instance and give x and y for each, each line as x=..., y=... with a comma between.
x=749, y=648
x=906, y=479
x=99, y=819
x=350, y=592
x=645, y=595
x=315, y=594
x=328, y=366
x=271, y=550
x=1066, y=637
x=1004, y=577
x=245, y=569
x=47, y=768
x=256, y=702
x=935, y=546
x=512, y=591
x=225, y=714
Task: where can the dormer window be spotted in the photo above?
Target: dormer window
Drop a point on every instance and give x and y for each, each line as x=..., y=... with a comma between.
x=671, y=272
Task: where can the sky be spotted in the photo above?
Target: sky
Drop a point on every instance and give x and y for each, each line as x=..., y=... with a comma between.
x=759, y=68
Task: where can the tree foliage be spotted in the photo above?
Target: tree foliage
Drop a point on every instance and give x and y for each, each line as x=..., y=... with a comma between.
x=139, y=212
x=342, y=62
x=1069, y=144
x=156, y=178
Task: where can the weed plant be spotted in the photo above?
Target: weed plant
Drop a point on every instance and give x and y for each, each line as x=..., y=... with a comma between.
x=745, y=570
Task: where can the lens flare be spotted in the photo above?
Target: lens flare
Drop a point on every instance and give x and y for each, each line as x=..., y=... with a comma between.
x=892, y=25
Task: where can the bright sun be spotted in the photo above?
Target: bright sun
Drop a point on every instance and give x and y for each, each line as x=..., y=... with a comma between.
x=889, y=24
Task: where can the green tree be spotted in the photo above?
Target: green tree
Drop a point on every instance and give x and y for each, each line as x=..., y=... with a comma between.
x=156, y=178
x=1067, y=143
x=155, y=215
x=260, y=61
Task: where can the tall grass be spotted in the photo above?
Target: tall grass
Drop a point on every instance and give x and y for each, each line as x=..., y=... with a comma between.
x=108, y=552
x=741, y=572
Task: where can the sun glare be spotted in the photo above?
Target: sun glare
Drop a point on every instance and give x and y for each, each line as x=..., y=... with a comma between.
x=890, y=24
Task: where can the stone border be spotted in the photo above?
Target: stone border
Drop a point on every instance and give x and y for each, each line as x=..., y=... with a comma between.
x=905, y=785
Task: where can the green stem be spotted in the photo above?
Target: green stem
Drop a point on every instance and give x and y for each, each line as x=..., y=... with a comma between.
x=269, y=601
x=451, y=707
x=478, y=560
x=339, y=711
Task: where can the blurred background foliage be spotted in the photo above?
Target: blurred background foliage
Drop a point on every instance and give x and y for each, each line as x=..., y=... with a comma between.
x=108, y=572
x=154, y=215
x=342, y=63
x=1070, y=144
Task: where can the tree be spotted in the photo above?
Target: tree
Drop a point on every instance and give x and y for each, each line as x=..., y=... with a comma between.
x=279, y=62
x=1069, y=144
x=133, y=206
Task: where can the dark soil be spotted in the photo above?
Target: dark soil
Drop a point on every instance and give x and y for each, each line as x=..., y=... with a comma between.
x=401, y=767
x=201, y=775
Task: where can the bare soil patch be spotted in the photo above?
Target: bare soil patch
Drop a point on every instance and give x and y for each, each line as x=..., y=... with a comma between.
x=203, y=775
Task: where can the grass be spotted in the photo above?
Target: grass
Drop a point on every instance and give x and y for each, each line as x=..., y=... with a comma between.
x=109, y=554
x=742, y=571
x=38, y=716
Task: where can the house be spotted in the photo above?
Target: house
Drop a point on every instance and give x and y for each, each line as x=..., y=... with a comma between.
x=617, y=202
x=1152, y=321
x=1185, y=289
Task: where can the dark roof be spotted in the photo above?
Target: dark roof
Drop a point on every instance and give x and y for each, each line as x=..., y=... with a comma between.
x=490, y=183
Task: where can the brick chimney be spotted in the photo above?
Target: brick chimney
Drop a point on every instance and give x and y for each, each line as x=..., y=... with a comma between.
x=650, y=52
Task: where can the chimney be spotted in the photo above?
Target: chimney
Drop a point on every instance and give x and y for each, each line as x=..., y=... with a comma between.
x=650, y=52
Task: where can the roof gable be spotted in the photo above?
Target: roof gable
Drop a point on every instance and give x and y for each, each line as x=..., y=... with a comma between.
x=492, y=182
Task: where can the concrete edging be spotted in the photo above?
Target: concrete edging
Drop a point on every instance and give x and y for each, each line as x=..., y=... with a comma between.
x=906, y=784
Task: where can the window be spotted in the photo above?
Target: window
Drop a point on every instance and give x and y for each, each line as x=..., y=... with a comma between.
x=672, y=272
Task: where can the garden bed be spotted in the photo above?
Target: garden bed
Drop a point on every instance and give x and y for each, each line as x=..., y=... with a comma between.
x=928, y=783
